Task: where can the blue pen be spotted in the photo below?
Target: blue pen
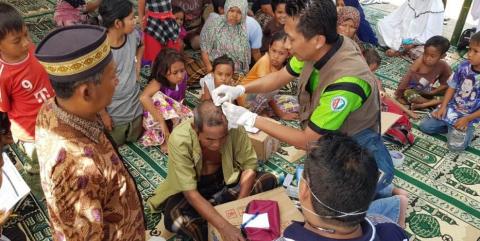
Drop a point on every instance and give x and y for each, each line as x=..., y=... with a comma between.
x=250, y=219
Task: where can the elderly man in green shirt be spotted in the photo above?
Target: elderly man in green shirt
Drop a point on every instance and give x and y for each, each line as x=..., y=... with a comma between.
x=208, y=165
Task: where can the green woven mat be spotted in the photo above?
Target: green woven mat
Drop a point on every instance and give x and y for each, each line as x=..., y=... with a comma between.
x=443, y=186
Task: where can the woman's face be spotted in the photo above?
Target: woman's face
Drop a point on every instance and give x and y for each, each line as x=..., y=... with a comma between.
x=347, y=28
x=234, y=16
x=278, y=54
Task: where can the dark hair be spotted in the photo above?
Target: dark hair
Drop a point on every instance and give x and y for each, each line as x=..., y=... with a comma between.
x=315, y=17
x=162, y=64
x=177, y=9
x=371, y=56
x=275, y=4
x=64, y=90
x=111, y=10
x=439, y=42
x=218, y=4
x=224, y=59
x=278, y=36
x=10, y=20
x=4, y=124
x=207, y=113
x=475, y=38
x=343, y=175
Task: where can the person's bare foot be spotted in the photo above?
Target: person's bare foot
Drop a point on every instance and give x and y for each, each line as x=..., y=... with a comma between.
x=392, y=53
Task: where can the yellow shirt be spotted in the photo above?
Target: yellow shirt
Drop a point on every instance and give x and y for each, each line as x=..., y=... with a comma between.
x=185, y=161
x=261, y=68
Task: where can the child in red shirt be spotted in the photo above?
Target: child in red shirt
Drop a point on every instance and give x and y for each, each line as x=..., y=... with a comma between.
x=24, y=83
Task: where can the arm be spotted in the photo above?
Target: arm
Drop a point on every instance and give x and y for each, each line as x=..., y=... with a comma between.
x=146, y=100
x=280, y=113
x=138, y=58
x=402, y=86
x=82, y=201
x=402, y=107
x=443, y=79
x=270, y=82
x=206, y=210
x=256, y=54
x=141, y=13
x=440, y=113
x=246, y=183
x=289, y=135
x=206, y=61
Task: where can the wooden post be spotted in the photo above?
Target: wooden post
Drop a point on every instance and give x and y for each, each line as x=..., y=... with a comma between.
x=461, y=22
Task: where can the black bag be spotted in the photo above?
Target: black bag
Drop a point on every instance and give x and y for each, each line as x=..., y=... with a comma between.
x=464, y=39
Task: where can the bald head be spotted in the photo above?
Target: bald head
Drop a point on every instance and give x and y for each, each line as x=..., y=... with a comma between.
x=207, y=114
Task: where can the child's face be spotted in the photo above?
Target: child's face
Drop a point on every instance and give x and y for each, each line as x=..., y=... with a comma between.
x=222, y=74
x=474, y=53
x=347, y=28
x=179, y=17
x=176, y=74
x=14, y=47
x=234, y=16
x=128, y=23
x=280, y=14
x=431, y=56
x=278, y=54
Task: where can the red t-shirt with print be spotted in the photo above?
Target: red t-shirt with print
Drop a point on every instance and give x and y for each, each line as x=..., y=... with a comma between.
x=24, y=87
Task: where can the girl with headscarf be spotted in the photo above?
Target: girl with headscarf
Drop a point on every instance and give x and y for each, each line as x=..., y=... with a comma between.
x=227, y=34
x=348, y=21
x=364, y=30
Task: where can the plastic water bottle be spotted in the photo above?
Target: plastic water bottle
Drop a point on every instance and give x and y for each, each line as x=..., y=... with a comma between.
x=457, y=138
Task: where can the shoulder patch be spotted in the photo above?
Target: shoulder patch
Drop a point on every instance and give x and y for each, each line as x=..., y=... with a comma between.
x=338, y=103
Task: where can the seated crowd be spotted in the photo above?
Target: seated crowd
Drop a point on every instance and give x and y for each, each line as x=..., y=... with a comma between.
x=72, y=105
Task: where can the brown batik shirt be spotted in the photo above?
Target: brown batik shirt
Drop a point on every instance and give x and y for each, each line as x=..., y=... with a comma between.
x=89, y=193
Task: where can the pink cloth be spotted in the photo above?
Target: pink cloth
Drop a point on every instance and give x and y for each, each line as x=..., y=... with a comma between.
x=66, y=15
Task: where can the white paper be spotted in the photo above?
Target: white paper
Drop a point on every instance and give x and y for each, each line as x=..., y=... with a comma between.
x=13, y=187
x=252, y=129
x=261, y=221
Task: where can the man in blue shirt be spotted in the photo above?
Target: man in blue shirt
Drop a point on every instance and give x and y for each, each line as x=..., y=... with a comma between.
x=336, y=190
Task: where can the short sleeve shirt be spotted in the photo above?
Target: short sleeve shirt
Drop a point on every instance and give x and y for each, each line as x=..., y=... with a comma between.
x=255, y=33
x=125, y=106
x=334, y=106
x=295, y=67
x=465, y=101
x=24, y=87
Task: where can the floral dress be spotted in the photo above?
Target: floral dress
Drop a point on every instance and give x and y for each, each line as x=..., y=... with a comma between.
x=169, y=102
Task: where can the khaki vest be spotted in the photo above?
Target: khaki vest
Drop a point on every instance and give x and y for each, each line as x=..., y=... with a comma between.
x=347, y=61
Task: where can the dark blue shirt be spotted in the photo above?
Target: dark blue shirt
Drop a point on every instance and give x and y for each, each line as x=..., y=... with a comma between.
x=371, y=232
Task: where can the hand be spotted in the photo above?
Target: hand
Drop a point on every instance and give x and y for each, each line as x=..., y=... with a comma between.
x=4, y=215
x=226, y=93
x=231, y=233
x=165, y=131
x=462, y=123
x=440, y=113
x=289, y=116
x=413, y=114
x=107, y=121
x=237, y=115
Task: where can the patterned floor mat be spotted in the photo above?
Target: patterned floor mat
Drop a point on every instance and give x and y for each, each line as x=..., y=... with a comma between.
x=444, y=187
